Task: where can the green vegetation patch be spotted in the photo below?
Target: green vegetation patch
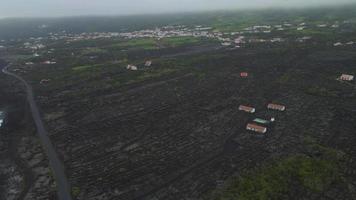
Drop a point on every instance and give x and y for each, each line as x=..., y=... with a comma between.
x=180, y=41
x=327, y=34
x=152, y=74
x=75, y=191
x=142, y=43
x=278, y=180
x=84, y=67
x=93, y=51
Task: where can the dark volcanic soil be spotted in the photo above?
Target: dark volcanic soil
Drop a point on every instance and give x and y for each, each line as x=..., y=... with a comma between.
x=176, y=137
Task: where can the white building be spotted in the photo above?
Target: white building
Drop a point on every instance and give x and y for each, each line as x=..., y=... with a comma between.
x=148, y=63
x=346, y=77
x=132, y=67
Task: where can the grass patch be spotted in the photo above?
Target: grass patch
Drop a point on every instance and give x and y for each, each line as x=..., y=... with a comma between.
x=142, y=43
x=285, y=177
x=152, y=74
x=75, y=191
x=85, y=67
x=93, y=51
x=326, y=34
x=80, y=68
x=180, y=41
x=285, y=79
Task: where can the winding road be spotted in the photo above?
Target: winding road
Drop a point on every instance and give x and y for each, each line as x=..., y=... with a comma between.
x=63, y=185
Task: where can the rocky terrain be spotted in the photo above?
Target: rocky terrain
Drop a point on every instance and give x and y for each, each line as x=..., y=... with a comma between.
x=24, y=168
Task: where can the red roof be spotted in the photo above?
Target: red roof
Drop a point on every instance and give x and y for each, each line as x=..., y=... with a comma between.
x=244, y=74
x=276, y=107
x=256, y=128
x=247, y=108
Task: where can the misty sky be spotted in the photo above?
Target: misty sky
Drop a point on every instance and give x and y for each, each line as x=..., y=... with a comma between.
x=54, y=8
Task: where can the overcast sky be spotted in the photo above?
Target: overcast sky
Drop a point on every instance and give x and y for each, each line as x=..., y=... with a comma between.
x=54, y=8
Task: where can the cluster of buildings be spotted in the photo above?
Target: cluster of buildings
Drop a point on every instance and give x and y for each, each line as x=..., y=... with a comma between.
x=159, y=33
x=34, y=46
x=225, y=38
x=261, y=125
x=172, y=31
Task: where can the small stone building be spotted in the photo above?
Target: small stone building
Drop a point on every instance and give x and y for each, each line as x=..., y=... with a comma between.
x=273, y=106
x=256, y=128
x=247, y=109
x=346, y=77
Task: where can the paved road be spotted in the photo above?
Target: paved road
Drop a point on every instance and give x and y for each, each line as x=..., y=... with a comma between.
x=63, y=186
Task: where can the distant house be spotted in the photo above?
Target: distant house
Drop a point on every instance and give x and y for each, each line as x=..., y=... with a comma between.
x=273, y=106
x=277, y=40
x=148, y=63
x=244, y=74
x=335, y=26
x=239, y=40
x=303, y=39
x=45, y=81
x=256, y=128
x=131, y=67
x=346, y=77
x=226, y=44
x=247, y=109
x=48, y=62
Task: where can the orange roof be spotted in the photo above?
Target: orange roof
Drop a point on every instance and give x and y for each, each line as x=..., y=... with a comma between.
x=247, y=108
x=276, y=107
x=256, y=128
x=243, y=74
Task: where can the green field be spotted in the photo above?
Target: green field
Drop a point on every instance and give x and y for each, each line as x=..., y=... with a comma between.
x=279, y=180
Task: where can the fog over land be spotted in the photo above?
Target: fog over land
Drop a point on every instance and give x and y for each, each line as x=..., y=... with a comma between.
x=55, y=8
